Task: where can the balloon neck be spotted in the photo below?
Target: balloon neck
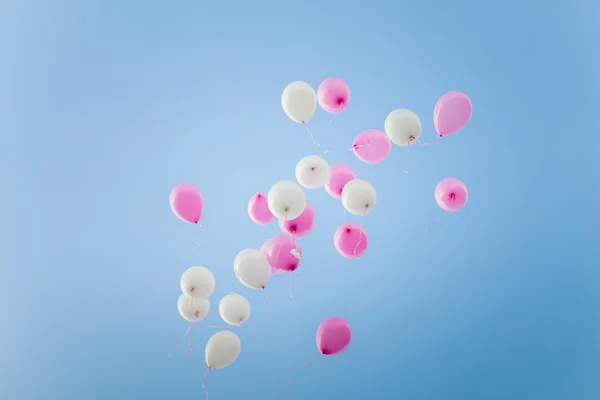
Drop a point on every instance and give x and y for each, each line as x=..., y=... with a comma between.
x=411, y=139
x=452, y=196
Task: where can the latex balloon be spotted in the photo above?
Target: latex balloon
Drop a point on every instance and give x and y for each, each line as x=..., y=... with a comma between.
x=191, y=309
x=187, y=202
x=252, y=269
x=299, y=102
x=372, y=146
x=198, y=282
x=351, y=240
x=222, y=349
x=278, y=251
x=302, y=225
x=333, y=336
x=258, y=209
x=452, y=113
x=234, y=309
x=403, y=127
x=286, y=200
x=312, y=172
x=334, y=95
x=359, y=197
x=451, y=194
x=339, y=175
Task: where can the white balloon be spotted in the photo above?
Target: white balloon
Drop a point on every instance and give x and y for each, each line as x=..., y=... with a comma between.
x=234, y=309
x=192, y=309
x=299, y=101
x=286, y=200
x=198, y=282
x=252, y=268
x=312, y=172
x=403, y=127
x=359, y=197
x=222, y=349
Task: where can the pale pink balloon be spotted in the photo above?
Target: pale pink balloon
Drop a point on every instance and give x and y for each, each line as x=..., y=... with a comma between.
x=187, y=202
x=451, y=194
x=333, y=336
x=300, y=226
x=258, y=209
x=339, y=175
x=452, y=113
x=333, y=95
x=278, y=251
x=351, y=240
x=372, y=146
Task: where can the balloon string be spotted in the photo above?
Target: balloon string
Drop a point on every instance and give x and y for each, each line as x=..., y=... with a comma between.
x=296, y=249
x=186, y=334
x=197, y=246
x=267, y=298
x=357, y=146
x=333, y=116
x=299, y=369
x=290, y=286
x=436, y=220
x=236, y=291
x=312, y=137
x=204, y=381
x=409, y=155
x=362, y=221
x=433, y=141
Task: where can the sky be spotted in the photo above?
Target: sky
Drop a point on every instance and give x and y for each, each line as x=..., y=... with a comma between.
x=105, y=106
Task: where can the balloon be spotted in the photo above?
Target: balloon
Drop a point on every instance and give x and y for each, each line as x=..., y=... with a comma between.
x=452, y=113
x=339, y=175
x=278, y=251
x=234, y=309
x=198, y=282
x=258, y=209
x=252, y=269
x=334, y=95
x=351, y=240
x=299, y=102
x=359, y=197
x=312, y=172
x=451, y=194
x=403, y=127
x=300, y=226
x=333, y=336
x=286, y=200
x=222, y=349
x=372, y=146
x=191, y=309
x=187, y=202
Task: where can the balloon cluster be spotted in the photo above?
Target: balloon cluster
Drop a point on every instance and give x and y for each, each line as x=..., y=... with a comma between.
x=287, y=202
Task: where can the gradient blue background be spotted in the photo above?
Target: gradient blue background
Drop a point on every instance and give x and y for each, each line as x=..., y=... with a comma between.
x=107, y=105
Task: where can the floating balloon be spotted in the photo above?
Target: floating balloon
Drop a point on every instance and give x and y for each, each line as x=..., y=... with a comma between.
x=351, y=240
x=312, y=172
x=222, y=349
x=333, y=95
x=302, y=225
x=339, y=176
x=258, y=209
x=372, y=146
x=403, y=127
x=187, y=202
x=359, y=197
x=278, y=252
x=192, y=309
x=286, y=200
x=198, y=282
x=452, y=113
x=299, y=102
x=252, y=269
x=451, y=194
x=234, y=309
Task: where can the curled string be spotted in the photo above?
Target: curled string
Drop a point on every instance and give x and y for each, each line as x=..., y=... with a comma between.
x=437, y=139
x=204, y=381
x=362, y=222
x=267, y=298
x=197, y=246
x=299, y=369
x=437, y=220
x=409, y=154
x=186, y=334
x=312, y=137
x=333, y=116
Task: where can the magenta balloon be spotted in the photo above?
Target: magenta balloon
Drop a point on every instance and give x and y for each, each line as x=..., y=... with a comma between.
x=258, y=209
x=187, y=202
x=333, y=336
x=333, y=95
x=339, y=175
x=451, y=194
x=278, y=252
x=351, y=240
x=372, y=146
x=452, y=113
x=302, y=225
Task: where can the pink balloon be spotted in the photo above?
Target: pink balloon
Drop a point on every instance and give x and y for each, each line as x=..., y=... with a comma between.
x=278, y=252
x=333, y=336
x=452, y=113
x=351, y=240
x=187, y=202
x=372, y=146
x=333, y=95
x=258, y=209
x=302, y=225
x=451, y=194
x=339, y=175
